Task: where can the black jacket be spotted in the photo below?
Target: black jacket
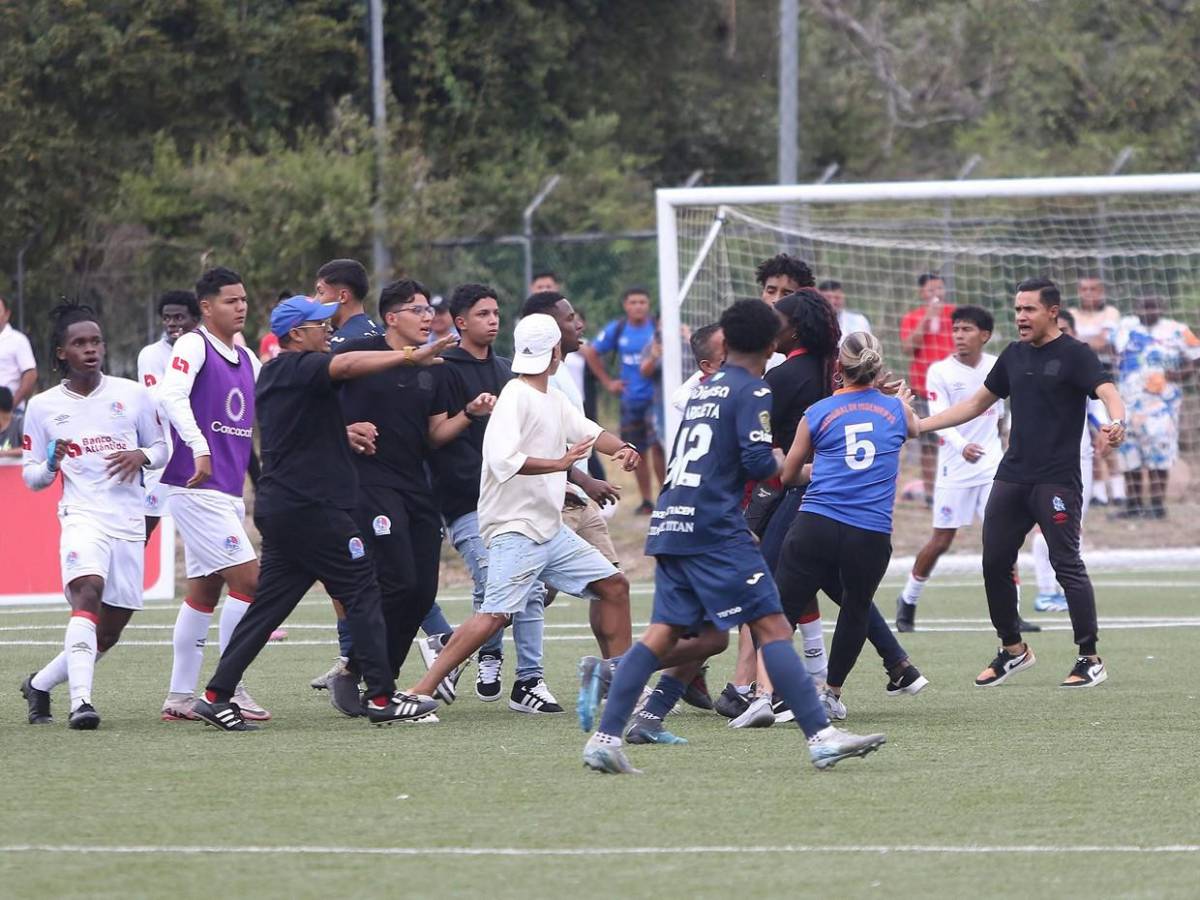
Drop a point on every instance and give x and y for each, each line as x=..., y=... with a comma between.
x=456, y=467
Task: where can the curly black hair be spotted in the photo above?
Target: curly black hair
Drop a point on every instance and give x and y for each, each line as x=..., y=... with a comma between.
x=467, y=295
x=815, y=324
x=783, y=264
x=750, y=326
x=66, y=314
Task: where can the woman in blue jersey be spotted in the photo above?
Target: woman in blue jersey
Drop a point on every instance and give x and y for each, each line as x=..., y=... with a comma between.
x=844, y=528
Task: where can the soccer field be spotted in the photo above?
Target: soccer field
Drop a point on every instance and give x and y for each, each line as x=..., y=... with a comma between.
x=1026, y=788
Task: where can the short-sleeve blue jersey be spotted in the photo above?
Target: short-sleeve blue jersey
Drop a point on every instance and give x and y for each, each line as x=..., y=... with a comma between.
x=723, y=442
x=629, y=342
x=856, y=436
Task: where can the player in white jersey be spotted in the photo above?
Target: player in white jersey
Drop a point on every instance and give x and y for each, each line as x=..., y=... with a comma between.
x=179, y=313
x=968, y=456
x=101, y=433
x=207, y=394
x=1050, y=595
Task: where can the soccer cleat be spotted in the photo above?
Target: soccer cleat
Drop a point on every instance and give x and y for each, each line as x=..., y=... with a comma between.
x=906, y=616
x=647, y=729
x=1028, y=627
x=831, y=745
x=834, y=707
x=730, y=703
x=1004, y=665
x=594, y=675
x=1086, y=673
x=782, y=712
x=84, y=718
x=607, y=758
x=697, y=694
x=39, y=702
x=344, y=695
x=487, y=677
x=179, y=709
x=223, y=716
x=531, y=695
x=1056, y=602
x=321, y=682
x=757, y=715
x=402, y=707
x=909, y=681
x=251, y=710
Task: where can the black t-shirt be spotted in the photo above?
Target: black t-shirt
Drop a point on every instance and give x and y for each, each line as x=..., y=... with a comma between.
x=306, y=458
x=796, y=384
x=1047, y=387
x=398, y=402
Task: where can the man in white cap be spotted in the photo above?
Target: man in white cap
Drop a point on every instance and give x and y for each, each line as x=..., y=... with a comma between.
x=533, y=438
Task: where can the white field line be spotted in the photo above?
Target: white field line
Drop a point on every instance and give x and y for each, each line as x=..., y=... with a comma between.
x=874, y=849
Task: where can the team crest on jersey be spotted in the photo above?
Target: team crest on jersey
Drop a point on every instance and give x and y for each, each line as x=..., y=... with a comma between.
x=933, y=395
x=764, y=419
x=382, y=525
x=72, y=558
x=235, y=404
x=357, y=550
x=117, y=409
x=232, y=544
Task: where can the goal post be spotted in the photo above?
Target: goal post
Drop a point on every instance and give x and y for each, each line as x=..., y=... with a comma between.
x=1139, y=235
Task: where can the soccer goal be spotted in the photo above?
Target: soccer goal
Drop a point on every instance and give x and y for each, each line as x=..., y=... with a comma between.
x=1136, y=236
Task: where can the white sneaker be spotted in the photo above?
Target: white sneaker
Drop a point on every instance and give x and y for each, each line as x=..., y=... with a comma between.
x=251, y=710
x=178, y=708
x=834, y=707
x=757, y=715
x=321, y=682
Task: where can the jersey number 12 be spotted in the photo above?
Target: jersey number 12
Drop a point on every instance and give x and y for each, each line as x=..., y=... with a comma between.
x=693, y=444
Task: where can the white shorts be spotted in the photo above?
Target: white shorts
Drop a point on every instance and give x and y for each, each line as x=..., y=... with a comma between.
x=213, y=528
x=86, y=550
x=155, y=504
x=958, y=507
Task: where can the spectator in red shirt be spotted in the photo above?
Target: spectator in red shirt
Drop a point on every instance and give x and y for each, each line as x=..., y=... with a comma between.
x=927, y=336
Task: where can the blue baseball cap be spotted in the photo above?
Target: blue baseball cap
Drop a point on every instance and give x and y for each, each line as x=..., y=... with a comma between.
x=296, y=310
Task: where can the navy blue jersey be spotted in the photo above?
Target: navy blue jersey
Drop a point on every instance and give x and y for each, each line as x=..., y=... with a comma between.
x=856, y=438
x=357, y=326
x=723, y=442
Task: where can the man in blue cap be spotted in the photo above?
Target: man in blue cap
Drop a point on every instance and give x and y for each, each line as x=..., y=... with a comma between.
x=305, y=498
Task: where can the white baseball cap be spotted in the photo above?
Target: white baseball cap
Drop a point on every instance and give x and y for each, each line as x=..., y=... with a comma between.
x=534, y=340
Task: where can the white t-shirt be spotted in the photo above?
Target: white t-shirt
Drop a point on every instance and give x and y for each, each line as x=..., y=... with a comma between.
x=948, y=382
x=525, y=423
x=16, y=357
x=576, y=365
x=152, y=364
x=1087, y=448
x=117, y=415
x=850, y=322
x=563, y=380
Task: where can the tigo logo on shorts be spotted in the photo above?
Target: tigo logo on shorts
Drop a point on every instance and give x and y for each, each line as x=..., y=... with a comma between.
x=732, y=611
x=357, y=550
x=382, y=525
x=232, y=544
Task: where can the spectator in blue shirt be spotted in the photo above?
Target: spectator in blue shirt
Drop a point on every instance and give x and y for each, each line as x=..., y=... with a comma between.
x=627, y=338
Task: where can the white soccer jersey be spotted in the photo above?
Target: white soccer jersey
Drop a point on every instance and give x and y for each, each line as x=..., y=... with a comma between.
x=152, y=364
x=117, y=415
x=1087, y=447
x=948, y=382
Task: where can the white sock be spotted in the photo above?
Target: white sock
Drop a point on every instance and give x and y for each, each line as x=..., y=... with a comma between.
x=608, y=740
x=1046, y=582
x=913, y=588
x=80, y=647
x=743, y=689
x=1099, y=491
x=1116, y=487
x=191, y=634
x=54, y=672
x=231, y=614
x=815, y=659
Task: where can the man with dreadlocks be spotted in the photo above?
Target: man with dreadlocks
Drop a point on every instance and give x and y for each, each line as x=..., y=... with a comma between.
x=101, y=433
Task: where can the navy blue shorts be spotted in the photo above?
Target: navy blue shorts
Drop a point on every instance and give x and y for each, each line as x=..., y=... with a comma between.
x=725, y=589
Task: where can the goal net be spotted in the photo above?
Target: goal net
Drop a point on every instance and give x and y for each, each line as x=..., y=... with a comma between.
x=1118, y=238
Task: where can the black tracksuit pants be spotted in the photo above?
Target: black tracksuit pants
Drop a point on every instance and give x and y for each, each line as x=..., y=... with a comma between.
x=1012, y=511
x=404, y=533
x=300, y=548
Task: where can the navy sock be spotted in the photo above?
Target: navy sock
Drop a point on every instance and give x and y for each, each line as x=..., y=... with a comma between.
x=793, y=683
x=665, y=696
x=345, y=642
x=637, y=665
x=435, y=623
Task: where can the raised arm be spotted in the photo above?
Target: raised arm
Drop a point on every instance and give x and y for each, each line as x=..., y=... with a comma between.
x=960, y=413
x=360, y=363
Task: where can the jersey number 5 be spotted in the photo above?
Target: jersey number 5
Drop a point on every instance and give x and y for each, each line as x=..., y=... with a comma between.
x=860, y=452
x=693, y=444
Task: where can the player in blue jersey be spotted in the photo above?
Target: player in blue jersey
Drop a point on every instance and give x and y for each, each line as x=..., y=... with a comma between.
x=844, y=528
x=711, y=575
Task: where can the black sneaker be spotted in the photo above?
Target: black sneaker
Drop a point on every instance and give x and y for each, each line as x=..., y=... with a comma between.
x=487, y=677
x=908, y=681
x=1005, y=664
x=402, y=707
x=697, y=694
x=783, y=712
x=906, y=616
x=223, y=716
x=39, y=702
x=344, y=695
x=1086, y=673
x=532, y=696
x=84, y=718
x=730, y=703
x=1029, y=627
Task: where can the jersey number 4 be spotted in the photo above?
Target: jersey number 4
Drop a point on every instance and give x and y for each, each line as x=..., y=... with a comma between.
x=693, y=444
x=860, y=452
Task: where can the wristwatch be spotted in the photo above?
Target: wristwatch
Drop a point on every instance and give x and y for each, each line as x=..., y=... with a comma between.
x=1120, y=422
